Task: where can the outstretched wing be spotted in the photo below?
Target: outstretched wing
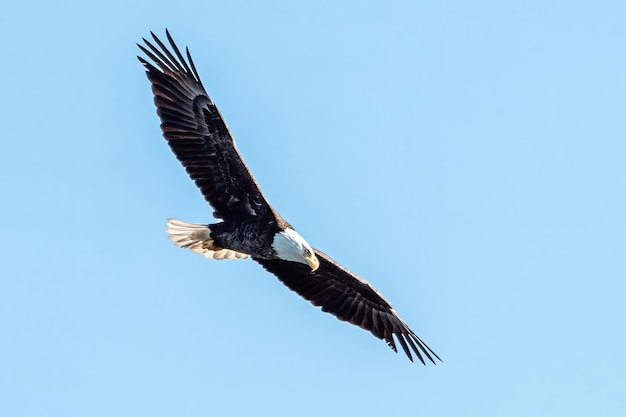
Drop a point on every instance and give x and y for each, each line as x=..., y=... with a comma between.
x=198, y=135
x=349, y=298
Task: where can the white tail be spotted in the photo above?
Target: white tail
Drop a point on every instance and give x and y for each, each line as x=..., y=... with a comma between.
x=197, y=238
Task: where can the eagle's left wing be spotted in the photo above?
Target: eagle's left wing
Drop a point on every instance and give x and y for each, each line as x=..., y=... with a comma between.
x=349, y=298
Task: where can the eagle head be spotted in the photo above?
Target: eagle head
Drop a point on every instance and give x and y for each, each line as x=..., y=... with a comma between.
x=290, y=246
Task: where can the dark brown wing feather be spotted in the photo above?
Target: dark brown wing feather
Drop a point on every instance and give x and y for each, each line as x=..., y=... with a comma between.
x=349, y=298
x=199, y=136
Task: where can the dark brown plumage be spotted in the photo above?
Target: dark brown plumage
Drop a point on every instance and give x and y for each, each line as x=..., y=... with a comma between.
x=200, y=139
x=199, y=136
x=349, y=298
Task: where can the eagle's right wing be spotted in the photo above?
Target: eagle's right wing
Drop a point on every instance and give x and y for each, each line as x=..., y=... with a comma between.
x=199, y=136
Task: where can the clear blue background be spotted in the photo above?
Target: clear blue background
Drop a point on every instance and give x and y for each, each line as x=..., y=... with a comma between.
x=467, y=158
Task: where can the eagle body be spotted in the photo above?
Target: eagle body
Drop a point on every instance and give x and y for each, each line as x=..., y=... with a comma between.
x=252, y=237
x=248, y=225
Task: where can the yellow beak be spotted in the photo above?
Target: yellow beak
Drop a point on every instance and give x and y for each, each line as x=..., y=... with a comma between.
x=313, y=262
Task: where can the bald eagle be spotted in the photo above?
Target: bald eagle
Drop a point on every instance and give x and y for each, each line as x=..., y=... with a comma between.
x=249, y=226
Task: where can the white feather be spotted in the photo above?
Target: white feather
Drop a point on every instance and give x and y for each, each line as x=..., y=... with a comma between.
x=197, y=238
x=289, y=246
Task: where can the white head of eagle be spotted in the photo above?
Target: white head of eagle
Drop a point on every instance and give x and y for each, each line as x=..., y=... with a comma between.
x=290, y=246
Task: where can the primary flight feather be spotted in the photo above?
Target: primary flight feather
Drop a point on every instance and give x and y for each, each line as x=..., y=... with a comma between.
x=249, y=226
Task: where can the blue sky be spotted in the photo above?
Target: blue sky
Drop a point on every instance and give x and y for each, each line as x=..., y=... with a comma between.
x=467, y=158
